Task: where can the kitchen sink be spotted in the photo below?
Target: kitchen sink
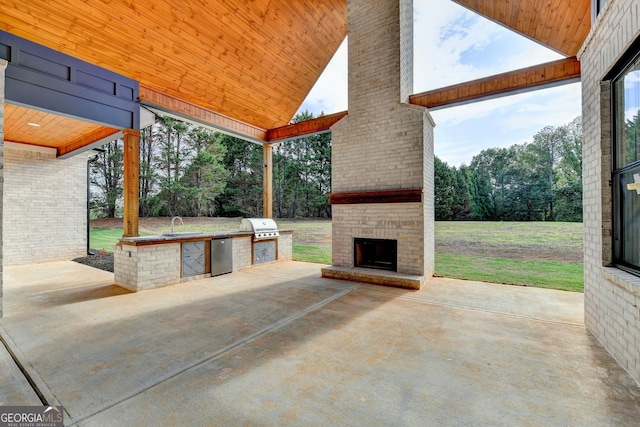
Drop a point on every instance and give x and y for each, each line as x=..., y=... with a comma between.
x=182, y=233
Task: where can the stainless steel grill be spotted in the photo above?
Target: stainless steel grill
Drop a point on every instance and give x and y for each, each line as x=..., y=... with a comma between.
x=262, y=228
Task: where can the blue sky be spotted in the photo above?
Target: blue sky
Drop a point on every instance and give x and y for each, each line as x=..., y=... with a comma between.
x=453, y=45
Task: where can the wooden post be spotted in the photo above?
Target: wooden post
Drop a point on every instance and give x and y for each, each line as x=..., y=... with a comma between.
x=131, y=181
x=267, y=180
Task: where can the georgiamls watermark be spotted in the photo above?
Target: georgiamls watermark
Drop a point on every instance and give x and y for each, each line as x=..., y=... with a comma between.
x=31, y=416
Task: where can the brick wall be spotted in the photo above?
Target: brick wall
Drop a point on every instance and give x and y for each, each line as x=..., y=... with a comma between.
x=285, y=246
x=383, y=144
x=44, y=206
x=146, y=267
x=612, y=297
x=428, y=209
x=3, y=66
x=241, y=252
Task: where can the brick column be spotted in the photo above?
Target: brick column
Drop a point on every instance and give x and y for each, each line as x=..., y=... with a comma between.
x=384, y=145
x=3, y=66
x=131, y=181
x=380, y=53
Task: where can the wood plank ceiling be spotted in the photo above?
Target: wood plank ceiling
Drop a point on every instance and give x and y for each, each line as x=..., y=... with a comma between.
x=251, y=61
x=560, y=25
x=254, y=61
x=28, y=126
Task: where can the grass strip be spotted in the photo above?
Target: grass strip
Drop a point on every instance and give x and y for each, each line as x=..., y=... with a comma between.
x=105, y=238
x=567, y=276
x=317, y=254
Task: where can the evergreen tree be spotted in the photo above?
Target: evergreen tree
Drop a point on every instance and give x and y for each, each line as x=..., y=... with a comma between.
x=148, y=198
x=107, y=172
x=569, y=174
x=243, y=194
x=205, y=178
x=494, y=165
x=443, y=191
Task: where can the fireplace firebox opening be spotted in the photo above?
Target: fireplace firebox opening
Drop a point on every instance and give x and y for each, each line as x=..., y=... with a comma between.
x=381, y=254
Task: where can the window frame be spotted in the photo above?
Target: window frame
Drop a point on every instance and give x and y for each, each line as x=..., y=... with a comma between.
x=617, y=172
x=597, y=6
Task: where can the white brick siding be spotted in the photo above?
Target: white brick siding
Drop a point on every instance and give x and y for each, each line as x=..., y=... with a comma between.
x=146, y=267
x=285, y=246
x=612, y=296
x=241, y=252
x=44, y=206
x=3, y=66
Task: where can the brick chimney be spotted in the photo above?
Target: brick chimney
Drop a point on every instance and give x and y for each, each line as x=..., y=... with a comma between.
x=382, y=161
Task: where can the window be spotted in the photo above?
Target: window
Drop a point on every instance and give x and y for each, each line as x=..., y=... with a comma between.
x=626, y=166
x=597, y=6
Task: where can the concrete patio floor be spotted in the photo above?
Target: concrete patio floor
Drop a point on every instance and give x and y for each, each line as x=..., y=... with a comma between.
x=279, y=345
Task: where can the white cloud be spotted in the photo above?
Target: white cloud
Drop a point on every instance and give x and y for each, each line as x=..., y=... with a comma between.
x=329, y=94
x=502, y=122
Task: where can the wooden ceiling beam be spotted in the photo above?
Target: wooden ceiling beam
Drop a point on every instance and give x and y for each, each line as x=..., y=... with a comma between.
x=527, y=79
x=85, y=140
x=203, y=116
x=305, y=128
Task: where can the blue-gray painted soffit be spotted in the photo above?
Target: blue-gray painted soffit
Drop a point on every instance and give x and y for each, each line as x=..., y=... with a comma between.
x=45, y=79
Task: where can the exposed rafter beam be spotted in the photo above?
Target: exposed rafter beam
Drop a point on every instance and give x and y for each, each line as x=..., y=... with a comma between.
x=191, y=112
x=526, y=79
x=89, y=141
x=308, y=127
x=550, y=74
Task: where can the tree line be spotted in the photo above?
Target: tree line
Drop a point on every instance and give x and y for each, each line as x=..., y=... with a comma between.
x=186, y=170
x=536, y=181
x=189, y=171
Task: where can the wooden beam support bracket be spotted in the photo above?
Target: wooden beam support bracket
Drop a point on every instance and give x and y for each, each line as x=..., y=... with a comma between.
x=306, y=128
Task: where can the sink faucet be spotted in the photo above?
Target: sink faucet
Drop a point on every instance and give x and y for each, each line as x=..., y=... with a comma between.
x=173, y=221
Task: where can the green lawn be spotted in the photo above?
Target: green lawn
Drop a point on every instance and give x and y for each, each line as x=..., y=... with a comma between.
x=104, y=238
x=567, y=276
x=565, y=234
x=306, y=253
x=540, y=254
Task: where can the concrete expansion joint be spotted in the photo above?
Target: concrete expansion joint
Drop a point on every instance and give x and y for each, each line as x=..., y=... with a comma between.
x=31, y=376
x=216, y=355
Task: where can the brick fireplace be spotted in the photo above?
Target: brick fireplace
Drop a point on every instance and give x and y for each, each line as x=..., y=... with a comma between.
x=382, y=152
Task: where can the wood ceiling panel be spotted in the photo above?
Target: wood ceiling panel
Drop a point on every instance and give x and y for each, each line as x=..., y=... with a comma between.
x=561, y=25
x=52, y=131
x=253, y=61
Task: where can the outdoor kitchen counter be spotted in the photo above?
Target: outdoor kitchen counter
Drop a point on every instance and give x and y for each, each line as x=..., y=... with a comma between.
x=182, y=237
x=148, y=262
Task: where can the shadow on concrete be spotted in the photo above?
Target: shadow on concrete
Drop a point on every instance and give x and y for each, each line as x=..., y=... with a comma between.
x=278, y=345
x=96, y=346
x=83, y=294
